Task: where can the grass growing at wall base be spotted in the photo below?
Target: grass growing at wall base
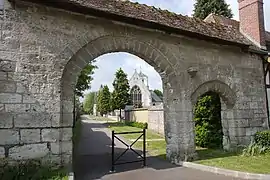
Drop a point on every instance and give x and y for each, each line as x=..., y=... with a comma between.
x=234, y=161
x=33, y=171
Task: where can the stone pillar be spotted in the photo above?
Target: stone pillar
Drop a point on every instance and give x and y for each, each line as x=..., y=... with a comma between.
x=179, y=131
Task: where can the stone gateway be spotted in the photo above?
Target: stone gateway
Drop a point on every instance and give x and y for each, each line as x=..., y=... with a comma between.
x=45, y=45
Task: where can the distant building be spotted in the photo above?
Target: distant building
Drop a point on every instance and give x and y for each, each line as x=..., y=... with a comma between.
x=141, y=95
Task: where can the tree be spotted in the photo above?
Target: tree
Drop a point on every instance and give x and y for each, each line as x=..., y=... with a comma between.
x=88, y=103
x=121, y=96
x=85, y=79
x=203, y=8
x=158, y=93
x=112, y=101
x=99, y=98
x=104, y=100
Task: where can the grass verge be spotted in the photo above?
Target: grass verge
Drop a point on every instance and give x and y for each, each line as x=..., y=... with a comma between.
x=234, y=161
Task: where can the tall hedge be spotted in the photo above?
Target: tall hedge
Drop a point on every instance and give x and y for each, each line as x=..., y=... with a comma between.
x=207, y=116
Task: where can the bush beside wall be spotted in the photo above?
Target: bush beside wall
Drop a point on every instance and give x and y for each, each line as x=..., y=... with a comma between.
x=263, y=138
x=137, y=124
x=207, y=116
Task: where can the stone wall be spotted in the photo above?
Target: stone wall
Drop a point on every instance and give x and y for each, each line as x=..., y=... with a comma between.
x=43, y=50
x=139, y=115
x=156, y=119
x=153, y=115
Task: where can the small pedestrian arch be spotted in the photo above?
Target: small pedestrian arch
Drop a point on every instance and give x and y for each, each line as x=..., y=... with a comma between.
x=227, y=95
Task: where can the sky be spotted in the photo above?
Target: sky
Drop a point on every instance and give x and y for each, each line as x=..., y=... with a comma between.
x=109, y=63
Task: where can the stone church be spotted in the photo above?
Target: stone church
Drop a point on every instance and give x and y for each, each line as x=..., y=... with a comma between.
x=141, y=95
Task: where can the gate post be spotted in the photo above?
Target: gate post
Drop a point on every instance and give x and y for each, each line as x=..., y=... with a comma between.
x=112, y=168
x=144, y=148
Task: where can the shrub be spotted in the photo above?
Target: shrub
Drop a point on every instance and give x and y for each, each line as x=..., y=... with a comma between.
x=254, y=149
x=137, y=124
x=208, y=121
x=263, y=138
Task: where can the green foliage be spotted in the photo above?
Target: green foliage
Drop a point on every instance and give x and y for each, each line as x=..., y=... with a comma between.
x=78, y=107
x=158, y=93
x=112, y=101
x=88, y=103
x=32, y=171
x=255, y=149
x=121, y=96
x=263, y=138
x=136, y=124
x=203, y=8
x=104, y=100
x=207, y=116
x=85, y=79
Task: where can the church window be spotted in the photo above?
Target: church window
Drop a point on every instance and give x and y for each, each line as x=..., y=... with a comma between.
x=136, y=97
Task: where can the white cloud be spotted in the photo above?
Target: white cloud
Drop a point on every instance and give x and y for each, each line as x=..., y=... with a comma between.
x=109, y=63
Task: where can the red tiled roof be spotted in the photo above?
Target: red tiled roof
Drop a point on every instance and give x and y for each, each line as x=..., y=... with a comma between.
x=154, y=16
x=212, y=18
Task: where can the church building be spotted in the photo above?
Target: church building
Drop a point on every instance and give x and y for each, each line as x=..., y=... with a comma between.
x=141, y=95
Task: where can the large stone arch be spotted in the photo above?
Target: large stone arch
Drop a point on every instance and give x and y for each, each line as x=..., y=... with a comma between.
x=228, y=100
x=153, y=52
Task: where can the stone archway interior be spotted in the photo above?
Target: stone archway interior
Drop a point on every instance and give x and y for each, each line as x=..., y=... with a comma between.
x=228, y=99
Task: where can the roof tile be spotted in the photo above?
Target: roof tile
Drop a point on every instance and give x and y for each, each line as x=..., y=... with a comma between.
x=161, y=17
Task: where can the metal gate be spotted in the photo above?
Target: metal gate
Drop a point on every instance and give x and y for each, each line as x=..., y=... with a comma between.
x=129, y=147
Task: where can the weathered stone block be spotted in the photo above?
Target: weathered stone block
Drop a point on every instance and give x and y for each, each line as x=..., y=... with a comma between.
x=6, y=120
x=30, y=135
x=7, y=66
x=50, y=135
x=32, y=120
x=17, y=108
x=8, y=86
x=9, y=137
x=32, y=151
x=10, y=98
x=27, y=98
x=54, y=135
x=66, y=121
x=61, y=147
x=3, y=75
x=68, y=108
x=2, y=152
x=240, y=123
x=21, y=88
x=256, y=122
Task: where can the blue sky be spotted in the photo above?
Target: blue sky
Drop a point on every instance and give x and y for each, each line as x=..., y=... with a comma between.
x=109, y=63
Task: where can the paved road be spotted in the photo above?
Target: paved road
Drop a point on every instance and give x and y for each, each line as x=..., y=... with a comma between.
x=92, y=160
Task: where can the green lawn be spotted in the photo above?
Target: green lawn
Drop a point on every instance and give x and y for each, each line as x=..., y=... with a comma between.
x=234, y=161
x=154, y=148
x=210, y=157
